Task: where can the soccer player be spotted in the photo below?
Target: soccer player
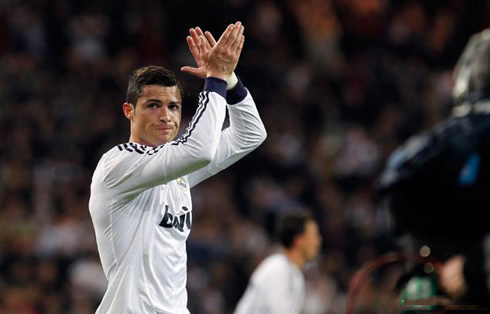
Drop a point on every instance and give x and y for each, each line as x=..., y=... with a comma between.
x=277, y=286
x=140, y=200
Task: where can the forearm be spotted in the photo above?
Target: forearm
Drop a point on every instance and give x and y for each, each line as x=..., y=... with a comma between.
x=246, y=125
x=203, y=133
x=200, y=142
x=245, y=133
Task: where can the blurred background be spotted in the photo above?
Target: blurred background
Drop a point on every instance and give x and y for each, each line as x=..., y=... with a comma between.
x=339, y=84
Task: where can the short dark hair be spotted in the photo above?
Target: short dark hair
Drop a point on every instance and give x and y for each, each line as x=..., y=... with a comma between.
x=291, y=225
x=149, y=75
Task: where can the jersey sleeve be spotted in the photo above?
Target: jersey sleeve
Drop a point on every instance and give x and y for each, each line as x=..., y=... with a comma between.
x=244, y=134
x=133, y=168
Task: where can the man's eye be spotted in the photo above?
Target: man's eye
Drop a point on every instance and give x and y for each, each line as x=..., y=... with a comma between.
x=153, y=105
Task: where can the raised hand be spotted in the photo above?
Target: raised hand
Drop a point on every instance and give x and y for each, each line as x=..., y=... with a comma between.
x=192, y=42
x=216, y=59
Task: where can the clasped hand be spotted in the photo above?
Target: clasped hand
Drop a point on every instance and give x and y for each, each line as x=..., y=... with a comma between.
x=215, y=58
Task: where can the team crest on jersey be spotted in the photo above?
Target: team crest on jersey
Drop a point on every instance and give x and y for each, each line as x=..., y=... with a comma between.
x=182, y=184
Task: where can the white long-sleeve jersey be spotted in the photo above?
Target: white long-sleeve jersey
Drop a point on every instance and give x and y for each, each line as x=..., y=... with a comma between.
x=277, y=286
x=141, y=205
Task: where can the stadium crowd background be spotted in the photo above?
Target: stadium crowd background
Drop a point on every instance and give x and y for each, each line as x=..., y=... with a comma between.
x=339, y=84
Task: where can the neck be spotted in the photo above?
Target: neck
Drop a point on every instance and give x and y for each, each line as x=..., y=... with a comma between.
x=296, y=258
x=137, y=140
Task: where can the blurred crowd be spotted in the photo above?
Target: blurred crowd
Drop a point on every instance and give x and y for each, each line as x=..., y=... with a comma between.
x=339, y=84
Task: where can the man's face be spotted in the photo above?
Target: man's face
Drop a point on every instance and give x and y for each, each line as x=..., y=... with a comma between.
x=310, y=240
x=155, y=119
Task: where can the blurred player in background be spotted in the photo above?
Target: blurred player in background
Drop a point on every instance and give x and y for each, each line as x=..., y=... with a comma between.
x=438, y=183
x=277, y=286
x=140, y=194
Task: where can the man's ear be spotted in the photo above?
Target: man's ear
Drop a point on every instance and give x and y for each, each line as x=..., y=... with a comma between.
x=298, y=239
x=128, y=110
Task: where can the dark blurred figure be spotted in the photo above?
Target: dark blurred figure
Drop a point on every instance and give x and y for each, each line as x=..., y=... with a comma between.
x=437, y=184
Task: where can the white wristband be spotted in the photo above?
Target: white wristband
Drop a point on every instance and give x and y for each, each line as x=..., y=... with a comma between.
x=232, y=80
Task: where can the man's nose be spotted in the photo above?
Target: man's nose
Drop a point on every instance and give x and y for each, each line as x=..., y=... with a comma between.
x=164, y=116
